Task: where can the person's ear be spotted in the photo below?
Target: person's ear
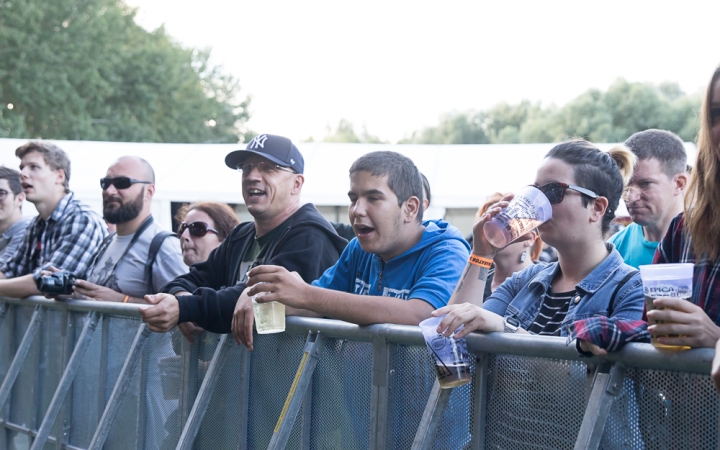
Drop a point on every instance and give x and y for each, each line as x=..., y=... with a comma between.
x=680, y=181
x=60, y=177
x=298, y=184
x=411, y=208
x=149, y=192
x=598, y=208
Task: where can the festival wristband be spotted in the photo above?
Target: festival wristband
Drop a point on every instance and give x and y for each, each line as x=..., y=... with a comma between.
x=125, y=300
x=480, y=261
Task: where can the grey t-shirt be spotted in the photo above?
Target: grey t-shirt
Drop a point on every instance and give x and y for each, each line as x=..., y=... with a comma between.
x=128, y=275
x=11, y=239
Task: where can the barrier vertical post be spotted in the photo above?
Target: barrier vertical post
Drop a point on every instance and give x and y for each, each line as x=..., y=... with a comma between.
x=314, y=345
x=204, y=395
x=21, y=354
x=66, y=381
x=379, y=392
x=480, y=382
x=431, y=418
x=306, y=418
x=244, y=382
x=121, y=386
x=606, y=386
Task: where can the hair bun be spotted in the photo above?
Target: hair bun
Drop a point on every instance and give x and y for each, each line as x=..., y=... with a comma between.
x=625, y=160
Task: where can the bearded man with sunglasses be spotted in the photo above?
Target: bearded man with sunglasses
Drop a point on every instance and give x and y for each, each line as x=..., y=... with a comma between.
x=128, y=266
x=65, y=233
x=284, y=233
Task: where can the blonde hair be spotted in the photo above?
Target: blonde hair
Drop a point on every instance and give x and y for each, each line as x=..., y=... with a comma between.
x=625, y=160
x=702, y=216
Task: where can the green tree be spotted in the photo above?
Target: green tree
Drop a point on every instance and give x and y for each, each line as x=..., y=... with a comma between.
x=345, y=132
x=461, y=128
x=610, y=116
x=83, y=69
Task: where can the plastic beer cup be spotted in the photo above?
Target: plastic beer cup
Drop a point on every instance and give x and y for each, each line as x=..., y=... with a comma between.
x=450, y=355
x=528, y=209
x=666, y=280
x=269, y=317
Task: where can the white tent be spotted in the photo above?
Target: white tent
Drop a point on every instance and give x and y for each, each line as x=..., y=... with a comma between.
x=460, y=176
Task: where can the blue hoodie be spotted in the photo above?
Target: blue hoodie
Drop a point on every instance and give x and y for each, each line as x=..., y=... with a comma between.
x=428, y=271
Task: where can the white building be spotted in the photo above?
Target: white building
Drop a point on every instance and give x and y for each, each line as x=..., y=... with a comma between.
x=460, y=176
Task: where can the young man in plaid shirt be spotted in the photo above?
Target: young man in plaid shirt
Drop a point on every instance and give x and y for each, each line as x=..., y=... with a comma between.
x=65, y=234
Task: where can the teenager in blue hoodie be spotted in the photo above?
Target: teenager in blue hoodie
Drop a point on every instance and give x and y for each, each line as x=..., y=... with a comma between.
x=397, y=270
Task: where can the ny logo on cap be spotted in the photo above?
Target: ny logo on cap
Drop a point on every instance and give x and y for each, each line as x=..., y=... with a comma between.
x=257, y=142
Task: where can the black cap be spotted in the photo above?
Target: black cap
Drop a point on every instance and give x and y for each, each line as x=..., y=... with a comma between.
x=277, y=149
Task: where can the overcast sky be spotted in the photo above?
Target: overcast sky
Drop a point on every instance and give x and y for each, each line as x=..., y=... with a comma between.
x=395, y=67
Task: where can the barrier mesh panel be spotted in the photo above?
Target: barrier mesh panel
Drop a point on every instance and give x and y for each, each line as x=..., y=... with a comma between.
x=219, y=429
x=120, y=335
x=162, y=392
x=272, y=369
x=534, y=403
x=22, y=409
x=84, y=397
x=341, y=387
x=663, y=410
x=411, y=384
x=7, y=347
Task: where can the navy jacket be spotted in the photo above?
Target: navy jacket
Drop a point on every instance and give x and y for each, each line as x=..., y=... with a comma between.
x=306, y=243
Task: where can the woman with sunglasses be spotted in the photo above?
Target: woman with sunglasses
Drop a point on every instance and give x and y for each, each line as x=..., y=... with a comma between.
x=203, y=226
x=584, y=186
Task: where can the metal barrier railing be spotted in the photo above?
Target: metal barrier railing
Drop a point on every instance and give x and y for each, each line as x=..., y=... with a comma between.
x=89, y=375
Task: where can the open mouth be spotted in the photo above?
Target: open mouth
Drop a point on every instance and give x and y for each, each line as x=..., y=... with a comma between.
x=363, y=231
x=26, y=186
x=255, y=193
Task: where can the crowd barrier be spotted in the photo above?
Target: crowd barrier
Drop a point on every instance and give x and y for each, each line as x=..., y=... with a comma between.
x=89, y=375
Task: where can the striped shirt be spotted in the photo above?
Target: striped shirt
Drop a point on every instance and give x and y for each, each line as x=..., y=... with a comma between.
x=552, y=313
x=66, y=240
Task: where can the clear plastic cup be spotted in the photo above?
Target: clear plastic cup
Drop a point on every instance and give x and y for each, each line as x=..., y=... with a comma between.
x=450, y=355
x=269, y=317
x=526, y=211
x=666, y=280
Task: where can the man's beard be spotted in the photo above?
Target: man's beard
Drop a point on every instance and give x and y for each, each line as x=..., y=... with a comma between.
x=126, y=212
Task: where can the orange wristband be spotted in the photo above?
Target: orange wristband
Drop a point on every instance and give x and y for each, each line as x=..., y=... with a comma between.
x=480, y=261
x=127, y=297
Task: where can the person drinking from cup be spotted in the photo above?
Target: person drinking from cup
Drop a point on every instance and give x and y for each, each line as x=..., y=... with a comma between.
x=584, y=186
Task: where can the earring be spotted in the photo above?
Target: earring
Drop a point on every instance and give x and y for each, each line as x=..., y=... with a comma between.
x=523, y=256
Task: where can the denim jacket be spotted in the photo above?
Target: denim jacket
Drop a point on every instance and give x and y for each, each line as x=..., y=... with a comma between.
x=522, y=294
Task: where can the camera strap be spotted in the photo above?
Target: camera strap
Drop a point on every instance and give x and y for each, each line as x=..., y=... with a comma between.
x=108, y=240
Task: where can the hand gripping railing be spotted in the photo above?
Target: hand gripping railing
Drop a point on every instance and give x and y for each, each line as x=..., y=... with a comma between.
x=385, y=424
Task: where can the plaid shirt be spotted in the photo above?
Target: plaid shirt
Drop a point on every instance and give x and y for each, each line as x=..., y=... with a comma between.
x=609, y=333
x=676, y=247
x=66, y=240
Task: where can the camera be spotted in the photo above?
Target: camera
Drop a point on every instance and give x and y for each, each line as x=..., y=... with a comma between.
x=58, y=283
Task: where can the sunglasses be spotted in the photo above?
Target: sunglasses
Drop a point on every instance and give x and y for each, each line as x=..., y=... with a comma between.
x=262, y=167
x=197, y=229
x=120, y=182
x=555, y=191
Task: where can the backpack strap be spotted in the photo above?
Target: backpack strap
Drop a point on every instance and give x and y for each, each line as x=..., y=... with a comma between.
x=155, y=245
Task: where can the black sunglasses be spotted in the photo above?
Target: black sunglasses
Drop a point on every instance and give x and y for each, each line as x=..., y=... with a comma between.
x=555, y=191
x=120, y=182
x=197, y=229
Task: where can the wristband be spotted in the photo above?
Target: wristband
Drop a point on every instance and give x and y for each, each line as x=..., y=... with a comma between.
x=125, y=300
x=480, y=261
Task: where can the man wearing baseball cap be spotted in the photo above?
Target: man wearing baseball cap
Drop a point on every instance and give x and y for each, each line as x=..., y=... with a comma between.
x=283, y=233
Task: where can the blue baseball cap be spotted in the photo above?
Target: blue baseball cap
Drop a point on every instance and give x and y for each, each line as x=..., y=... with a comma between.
x=277, y=149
